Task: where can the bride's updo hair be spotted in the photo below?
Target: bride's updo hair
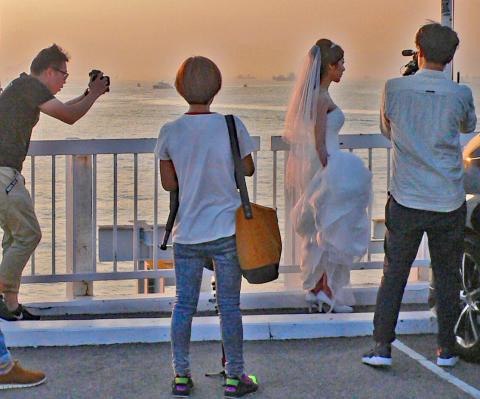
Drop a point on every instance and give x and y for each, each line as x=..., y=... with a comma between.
x=331, y=54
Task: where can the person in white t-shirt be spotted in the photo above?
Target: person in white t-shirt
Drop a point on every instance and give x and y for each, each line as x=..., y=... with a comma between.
x=196, y=159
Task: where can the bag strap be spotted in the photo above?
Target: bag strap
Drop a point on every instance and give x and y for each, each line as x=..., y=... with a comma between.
x=239, y=172
x=174, y=205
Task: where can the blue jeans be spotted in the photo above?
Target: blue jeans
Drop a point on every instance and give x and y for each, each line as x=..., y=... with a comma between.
x=189, y=262
x=6, y=361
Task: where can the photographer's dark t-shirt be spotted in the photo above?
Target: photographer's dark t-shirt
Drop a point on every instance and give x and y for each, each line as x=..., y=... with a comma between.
x=19, y=113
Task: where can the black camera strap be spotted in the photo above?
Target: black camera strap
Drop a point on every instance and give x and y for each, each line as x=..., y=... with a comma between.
x=12, y=184
x=174, y=204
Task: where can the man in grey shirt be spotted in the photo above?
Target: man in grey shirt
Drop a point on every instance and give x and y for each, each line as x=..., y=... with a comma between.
x=21, y=103
x=422, y=115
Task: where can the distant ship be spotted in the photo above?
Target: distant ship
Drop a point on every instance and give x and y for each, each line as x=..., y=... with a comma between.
x=247, y=76
x=282, y=78
x=162, y=85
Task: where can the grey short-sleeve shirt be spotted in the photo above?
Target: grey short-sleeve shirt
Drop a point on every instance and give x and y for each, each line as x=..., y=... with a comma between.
x=423, y=115
x=19, y=113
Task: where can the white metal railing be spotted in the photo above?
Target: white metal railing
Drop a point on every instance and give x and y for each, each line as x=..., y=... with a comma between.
x=82, y=157
x=82, y=160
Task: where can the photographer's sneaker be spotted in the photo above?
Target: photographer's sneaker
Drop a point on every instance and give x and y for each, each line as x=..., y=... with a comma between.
x=446, y=358
x=21, y=313
x=239, y=387
x=5, y=314
x=380, y=356
x=18, y=377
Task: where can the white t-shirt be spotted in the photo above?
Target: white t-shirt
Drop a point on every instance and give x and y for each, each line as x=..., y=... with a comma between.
x=199, y=147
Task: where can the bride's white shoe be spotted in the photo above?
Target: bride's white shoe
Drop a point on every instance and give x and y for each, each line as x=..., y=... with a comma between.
x=323, y=298
x=342, y=309
x=311, y=299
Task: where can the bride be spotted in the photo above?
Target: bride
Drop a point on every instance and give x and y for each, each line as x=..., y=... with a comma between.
x=327, y=190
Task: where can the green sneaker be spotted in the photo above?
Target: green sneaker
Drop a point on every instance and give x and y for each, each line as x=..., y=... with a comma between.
x=239, y=387
x=182, y=386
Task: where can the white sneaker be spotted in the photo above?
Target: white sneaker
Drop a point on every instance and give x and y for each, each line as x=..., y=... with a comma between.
x=445, y=358
x=379, y=356
x=449, y=362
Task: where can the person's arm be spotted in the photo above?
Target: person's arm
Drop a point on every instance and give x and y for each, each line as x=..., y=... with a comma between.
x=246, y=147
x=168, y=176
x=469, y=123
x=70, y=112
x=472, y=146
x=321, y=129
x=248, y=165
x=76, y=99
x=384, y=121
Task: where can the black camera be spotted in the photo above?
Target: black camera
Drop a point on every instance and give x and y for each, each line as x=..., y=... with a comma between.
x=93, y=75
x=412, y=66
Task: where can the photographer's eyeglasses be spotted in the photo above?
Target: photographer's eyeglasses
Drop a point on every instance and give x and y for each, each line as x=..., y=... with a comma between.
x=65, y=74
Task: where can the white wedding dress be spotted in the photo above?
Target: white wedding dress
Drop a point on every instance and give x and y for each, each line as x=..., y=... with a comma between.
x=330, y=218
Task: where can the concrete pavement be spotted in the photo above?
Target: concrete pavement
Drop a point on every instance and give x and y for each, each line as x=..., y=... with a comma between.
x=315, y=368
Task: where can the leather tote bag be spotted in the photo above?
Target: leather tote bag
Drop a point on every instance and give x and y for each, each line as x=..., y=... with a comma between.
x=259, y=244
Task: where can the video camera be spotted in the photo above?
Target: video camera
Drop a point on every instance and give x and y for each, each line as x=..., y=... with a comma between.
x=412, y=66
x=93, y=75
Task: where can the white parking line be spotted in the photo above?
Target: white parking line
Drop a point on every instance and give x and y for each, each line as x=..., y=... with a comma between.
x=473, y=392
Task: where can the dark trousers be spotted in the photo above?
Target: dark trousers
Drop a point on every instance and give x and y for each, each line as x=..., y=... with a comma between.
x=405, y=228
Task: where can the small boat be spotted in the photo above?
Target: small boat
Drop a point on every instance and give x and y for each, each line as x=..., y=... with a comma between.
x=247, y=76
x=282, y=78
x=162, y=85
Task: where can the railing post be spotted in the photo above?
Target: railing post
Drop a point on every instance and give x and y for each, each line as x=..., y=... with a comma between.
x=291, y=281
x=79, y=222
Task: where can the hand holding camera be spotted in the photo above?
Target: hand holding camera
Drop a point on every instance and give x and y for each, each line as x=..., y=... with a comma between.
x=99, y=83
x=412, y=66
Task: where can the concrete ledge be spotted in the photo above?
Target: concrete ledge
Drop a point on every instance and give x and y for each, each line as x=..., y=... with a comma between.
x=346, y=325
x=259, y=327
x=364, y=295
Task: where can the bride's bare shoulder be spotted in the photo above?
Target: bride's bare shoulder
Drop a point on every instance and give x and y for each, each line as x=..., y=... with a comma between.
x=324, y=101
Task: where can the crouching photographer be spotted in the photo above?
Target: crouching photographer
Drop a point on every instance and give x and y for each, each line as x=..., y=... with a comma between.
x=20, y=105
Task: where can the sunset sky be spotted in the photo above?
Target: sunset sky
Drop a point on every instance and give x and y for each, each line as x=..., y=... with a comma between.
x=148, y=39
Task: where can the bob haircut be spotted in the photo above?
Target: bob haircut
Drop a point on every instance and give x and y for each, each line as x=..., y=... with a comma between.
x=437, y=42
x=198, y=80
x=331, y=54
x=50, y=56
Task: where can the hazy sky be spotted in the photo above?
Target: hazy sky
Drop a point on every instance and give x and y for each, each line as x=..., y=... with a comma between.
x=148, y=39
